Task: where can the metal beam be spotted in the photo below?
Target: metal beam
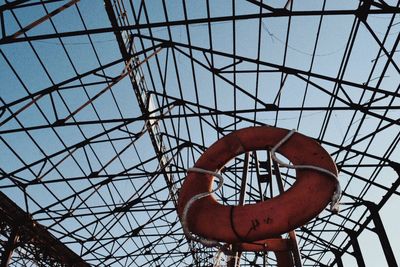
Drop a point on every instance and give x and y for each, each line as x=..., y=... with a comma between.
x=288, y=70
x=292, y=234
x=9, y=248
x=235, y=260
x=41, y=20
x=33, y=233
x=385, y=198
x=356, y=247
x=277, y=13
x=380, y=231
x=338, y=257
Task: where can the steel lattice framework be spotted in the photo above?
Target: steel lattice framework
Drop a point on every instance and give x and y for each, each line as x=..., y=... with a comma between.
x=105, y=105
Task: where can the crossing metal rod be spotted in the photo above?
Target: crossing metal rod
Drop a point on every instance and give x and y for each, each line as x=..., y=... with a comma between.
x=292, y=234
x=258, y=175
x=127, y=71
x=235, y=260
x=42, y=19
x=385, y=198
x=35, y=239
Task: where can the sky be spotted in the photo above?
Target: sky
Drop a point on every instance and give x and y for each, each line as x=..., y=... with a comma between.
x=49, y=154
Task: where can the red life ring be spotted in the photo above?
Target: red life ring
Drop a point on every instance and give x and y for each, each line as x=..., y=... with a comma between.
x=308, y=196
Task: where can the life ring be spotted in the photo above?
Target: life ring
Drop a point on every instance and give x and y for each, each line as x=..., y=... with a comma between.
x=308, y=196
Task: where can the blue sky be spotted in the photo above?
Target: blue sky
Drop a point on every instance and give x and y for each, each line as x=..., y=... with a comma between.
x=172, y=75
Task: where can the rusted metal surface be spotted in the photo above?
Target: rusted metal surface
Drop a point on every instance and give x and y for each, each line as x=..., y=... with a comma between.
x=25, y=231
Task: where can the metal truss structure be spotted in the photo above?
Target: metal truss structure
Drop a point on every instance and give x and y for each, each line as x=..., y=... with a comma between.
x=105, y=105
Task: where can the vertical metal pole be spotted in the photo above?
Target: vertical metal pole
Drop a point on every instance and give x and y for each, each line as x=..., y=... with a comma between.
x=235, y=260
x=292, y=234
x=244, y=179
x=356, y=247
x=338, y=257
x=380, y=231
x=258, y=175
x=9, y=248
x=269, y=167
x=257, y=166
x=3, y=27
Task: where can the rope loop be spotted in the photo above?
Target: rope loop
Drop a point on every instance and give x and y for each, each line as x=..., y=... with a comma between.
x=204, y=241
x=338, y=191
